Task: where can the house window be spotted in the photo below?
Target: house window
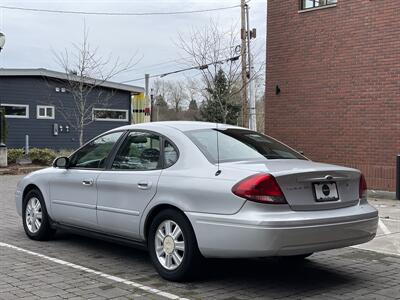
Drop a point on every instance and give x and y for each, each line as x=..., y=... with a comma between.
x=104, y=114
x=16, y=110
x=45, y=112
x=307, y=4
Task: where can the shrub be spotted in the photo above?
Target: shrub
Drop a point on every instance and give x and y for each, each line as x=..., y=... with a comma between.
x=64, y=152
x=14, y=154
x=40, y=156
x=3, y=125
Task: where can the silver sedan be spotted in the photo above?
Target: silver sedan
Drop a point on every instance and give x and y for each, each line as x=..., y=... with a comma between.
x=189, y=190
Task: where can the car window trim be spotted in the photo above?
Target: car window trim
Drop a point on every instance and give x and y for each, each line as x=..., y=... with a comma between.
x=124, y=132
x=161, y=163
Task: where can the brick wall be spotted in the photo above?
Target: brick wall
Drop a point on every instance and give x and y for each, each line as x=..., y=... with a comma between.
x=338, y=70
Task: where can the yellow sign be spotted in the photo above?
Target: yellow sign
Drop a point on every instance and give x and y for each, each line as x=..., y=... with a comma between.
x=138, y=108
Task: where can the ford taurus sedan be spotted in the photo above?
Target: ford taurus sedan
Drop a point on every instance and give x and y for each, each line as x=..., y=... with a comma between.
x=188, y=190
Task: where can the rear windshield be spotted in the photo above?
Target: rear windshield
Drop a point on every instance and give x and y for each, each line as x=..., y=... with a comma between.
x=239, y=144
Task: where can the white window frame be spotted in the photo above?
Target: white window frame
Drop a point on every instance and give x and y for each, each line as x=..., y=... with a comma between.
x=322, y=6
x=17, y=105
x=38, y=107
x=110, y=109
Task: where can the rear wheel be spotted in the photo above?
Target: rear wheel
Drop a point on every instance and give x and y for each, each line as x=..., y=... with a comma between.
x=35, y=219
x=295, y=258
x=172, y=245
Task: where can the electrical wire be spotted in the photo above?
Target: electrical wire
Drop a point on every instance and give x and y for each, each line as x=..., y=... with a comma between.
x=163, y=63
x=77, y=12
x=202, y=67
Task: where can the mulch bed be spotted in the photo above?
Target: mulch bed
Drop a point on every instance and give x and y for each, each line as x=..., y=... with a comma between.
x=15, y=169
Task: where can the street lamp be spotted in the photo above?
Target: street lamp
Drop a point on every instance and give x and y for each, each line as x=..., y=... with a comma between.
x=2, y=40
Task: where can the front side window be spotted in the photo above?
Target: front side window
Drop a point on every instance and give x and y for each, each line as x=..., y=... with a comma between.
x=45, y=112
x=307, y=4
x=16, y=110
x=140, y=151
x=94, y=155
x=238, y=145
x=105, y=114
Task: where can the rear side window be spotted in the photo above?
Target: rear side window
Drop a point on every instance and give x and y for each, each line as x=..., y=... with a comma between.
x=170, y=154
x=140, y=151
x=239, y=144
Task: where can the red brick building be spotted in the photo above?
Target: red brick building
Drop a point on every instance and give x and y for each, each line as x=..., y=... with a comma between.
x=333, y=82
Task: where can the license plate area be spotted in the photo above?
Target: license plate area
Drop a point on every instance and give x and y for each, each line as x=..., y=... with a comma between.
x=325, y=191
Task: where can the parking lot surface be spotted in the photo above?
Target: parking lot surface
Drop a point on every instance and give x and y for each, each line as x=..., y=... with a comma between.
x=74, y=267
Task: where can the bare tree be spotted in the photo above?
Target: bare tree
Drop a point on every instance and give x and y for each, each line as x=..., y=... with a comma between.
x=159, y=87
x=176, y=95
x=86, y=70
x=215, y=46
x=213, y=49
x=192, y=89
x=260, y=103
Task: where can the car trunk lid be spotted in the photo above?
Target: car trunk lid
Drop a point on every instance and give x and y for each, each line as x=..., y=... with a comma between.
x=309, y=185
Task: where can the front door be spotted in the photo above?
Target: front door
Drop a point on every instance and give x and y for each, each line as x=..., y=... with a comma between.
x=73, y=191
x=129, y=185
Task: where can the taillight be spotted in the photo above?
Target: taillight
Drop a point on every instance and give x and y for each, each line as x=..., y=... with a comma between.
x=363, y=188
x=260, y=188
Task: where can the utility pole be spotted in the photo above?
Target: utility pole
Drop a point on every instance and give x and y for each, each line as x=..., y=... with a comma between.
x=243, y=52
x=146, y=92
x=252, y=91
x=151, y=105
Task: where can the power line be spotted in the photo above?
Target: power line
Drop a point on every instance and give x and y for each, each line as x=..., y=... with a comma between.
x=152, y=66
x=161, y=64
x=78, y=12
x=202, y=67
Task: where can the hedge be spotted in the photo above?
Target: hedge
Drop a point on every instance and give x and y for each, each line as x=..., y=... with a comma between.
x=40, y=156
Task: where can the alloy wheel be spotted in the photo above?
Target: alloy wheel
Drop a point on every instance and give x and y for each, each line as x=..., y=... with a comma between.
x=169, y=245
x=33, y=215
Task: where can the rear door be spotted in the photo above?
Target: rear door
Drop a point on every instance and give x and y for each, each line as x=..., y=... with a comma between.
x=129, y=184
x=73, y=192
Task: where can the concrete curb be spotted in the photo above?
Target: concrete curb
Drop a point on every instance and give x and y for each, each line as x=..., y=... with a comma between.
x=19, y=170
x=5, y=171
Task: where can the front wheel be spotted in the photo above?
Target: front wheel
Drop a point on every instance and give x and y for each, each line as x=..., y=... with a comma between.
x=35, y=219
x=173, y=246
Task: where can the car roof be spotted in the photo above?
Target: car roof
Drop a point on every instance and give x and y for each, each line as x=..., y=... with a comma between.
x=180, y=125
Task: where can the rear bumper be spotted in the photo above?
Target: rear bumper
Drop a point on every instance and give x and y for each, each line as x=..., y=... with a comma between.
x=282, y=232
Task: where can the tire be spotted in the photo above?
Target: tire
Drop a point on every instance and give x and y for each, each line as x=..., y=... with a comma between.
x=172, y=246
x=295, y=258
x=34, y=208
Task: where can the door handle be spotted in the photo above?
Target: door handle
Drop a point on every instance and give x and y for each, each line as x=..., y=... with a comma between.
x=144, y=185
x=87, y=182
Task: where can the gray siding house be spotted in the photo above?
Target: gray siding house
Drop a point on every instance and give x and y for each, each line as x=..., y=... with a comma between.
x=36, y=102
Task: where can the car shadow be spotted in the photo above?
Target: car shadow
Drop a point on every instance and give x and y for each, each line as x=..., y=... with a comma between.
x=271, y=276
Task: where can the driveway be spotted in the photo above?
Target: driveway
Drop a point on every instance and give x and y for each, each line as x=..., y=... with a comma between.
x=82, y=268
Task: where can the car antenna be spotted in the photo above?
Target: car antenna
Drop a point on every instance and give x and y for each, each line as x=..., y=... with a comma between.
x=219, y=170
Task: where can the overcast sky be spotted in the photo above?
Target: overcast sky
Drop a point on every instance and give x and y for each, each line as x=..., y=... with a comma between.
x=31, y=37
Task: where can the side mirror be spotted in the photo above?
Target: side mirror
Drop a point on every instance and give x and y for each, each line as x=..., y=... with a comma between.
x=61, y=162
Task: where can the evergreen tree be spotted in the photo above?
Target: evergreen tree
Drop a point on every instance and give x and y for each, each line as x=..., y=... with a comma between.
x=193, y=105
x=219, y=107
x=161, y=103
